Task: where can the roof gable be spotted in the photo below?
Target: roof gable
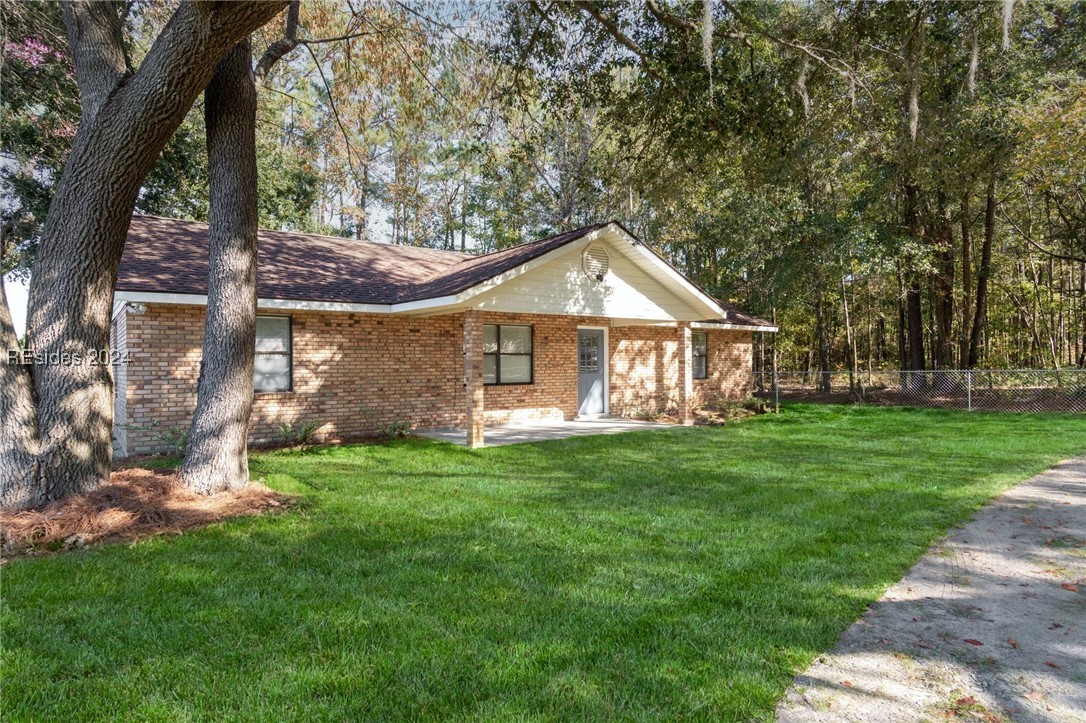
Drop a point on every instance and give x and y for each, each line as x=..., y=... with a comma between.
x=562, y=285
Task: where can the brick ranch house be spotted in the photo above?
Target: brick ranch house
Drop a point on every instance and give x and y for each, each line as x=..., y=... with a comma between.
x=353, y=334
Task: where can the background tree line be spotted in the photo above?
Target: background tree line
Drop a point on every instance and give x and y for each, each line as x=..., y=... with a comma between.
x=898, y=184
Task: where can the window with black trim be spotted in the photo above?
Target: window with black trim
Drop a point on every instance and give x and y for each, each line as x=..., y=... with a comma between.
x=507, y=354
x=273, y=365
x=699, y=343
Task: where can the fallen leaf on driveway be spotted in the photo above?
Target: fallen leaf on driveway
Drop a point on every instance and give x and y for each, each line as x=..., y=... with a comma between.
x=973, y=642
x=846, y=683
x=1069, y=586
x=1035, y=695
x=1013, y=642
x=1050, y=664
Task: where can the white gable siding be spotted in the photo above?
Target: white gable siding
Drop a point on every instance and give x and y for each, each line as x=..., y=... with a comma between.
x=561, y=286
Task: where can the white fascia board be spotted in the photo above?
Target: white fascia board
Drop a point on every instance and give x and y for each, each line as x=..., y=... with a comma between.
x=154, y=297
x=408, y=307
x=693, y=325
x=650, y=256
x=615, y=322
x=742, y=327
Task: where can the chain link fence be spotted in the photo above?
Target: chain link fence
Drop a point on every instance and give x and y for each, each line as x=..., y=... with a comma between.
x=1001, y=390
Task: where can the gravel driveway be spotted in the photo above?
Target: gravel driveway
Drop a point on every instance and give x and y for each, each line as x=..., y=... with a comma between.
x=989, y=625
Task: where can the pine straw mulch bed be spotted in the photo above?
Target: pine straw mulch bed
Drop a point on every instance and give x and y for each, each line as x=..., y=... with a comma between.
x=135, y=504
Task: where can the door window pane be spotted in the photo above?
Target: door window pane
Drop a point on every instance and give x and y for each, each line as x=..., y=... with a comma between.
x=590, y=353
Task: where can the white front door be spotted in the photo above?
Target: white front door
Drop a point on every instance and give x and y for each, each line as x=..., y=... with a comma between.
x=591, y=371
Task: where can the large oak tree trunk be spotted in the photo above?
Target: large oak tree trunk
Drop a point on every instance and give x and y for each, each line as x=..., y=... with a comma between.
x=216, y=457
x=976, y=340
x=18, y=418
x=127, y=119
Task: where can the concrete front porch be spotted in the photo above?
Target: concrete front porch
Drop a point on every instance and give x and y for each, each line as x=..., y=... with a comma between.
x=543, y=431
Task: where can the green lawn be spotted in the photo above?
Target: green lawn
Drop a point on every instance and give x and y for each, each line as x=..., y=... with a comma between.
x=680, y=573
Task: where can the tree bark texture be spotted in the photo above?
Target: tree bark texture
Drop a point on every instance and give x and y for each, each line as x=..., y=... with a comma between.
x=967, y=280
x=18, y=418
x=944, y=295
x=122, y=132
x=976, y=341
x=823, y=343
x=915, y=323
x=913, y=310
x=216, y=457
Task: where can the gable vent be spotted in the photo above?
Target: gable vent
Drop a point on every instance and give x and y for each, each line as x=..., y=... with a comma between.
x=596, y=262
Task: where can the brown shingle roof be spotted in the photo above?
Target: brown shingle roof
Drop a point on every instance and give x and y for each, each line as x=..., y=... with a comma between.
x=165, y=255
x=733, y=315
x=170, y=256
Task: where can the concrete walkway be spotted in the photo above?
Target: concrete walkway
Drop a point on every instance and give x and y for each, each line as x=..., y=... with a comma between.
x=989, y=625
x=542, y=431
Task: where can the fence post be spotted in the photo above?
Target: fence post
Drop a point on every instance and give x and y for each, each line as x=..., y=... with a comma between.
x=776, y=394
x=969, y=389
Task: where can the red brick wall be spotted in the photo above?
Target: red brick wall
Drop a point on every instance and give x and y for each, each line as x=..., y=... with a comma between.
x=644, y=373
x=352, y=371
x=729, y=367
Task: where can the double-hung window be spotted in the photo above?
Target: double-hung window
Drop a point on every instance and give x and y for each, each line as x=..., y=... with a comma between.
x=507, y=354
x=700, y=354
x=273, y=365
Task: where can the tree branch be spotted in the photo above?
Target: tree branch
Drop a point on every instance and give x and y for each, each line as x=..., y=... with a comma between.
x=290, y=40
x=837, y=65
x=616, y=32
x=97, y=48
x=1039, y=247
x=669, y=20
x=280, y=47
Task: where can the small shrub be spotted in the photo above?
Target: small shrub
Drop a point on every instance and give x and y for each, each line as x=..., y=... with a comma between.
x=644, y=415
x=176, y=438
x=298, y=435
x=721, y=410
x=394, y=430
